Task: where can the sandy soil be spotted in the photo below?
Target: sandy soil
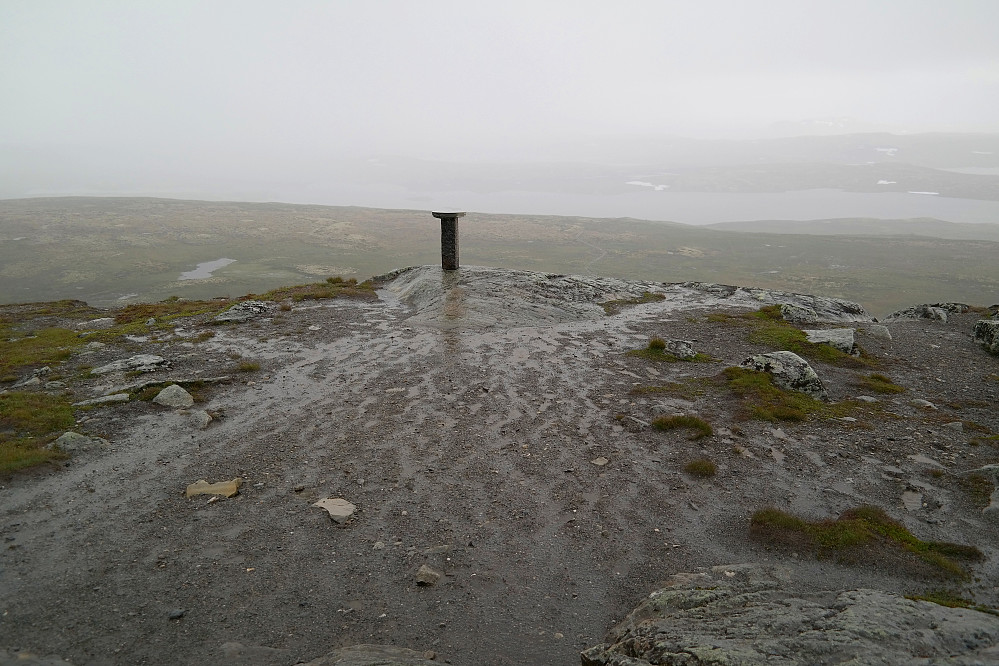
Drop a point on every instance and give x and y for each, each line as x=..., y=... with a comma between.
x=464, y=431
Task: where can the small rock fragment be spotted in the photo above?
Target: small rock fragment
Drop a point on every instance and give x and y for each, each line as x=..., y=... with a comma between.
x=176, y=613
x=924, y=404
x=340, y=510
x=427, y=576
x=600, y=462
x=224, y=488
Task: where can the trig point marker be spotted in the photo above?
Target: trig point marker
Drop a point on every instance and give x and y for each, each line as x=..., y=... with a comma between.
x=449, y=238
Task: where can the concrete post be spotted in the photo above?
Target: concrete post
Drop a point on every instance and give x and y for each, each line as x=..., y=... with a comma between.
x=449, y=239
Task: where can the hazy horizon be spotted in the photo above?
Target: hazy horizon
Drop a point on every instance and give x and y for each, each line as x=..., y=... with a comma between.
x=122, y=96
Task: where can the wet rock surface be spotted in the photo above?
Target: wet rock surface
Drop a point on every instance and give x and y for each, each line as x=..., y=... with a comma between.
x=743, y=614
x=461, y=415
x=788, y=371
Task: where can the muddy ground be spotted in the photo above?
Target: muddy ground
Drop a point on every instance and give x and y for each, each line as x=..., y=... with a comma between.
x=462, y=417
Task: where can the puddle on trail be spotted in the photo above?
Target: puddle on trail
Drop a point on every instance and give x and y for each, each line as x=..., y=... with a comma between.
x=205, y=269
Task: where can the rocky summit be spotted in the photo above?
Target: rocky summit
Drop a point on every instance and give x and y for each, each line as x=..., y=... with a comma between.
x=539, y=469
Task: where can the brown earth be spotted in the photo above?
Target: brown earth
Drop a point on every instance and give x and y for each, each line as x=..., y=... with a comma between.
x=465, y=430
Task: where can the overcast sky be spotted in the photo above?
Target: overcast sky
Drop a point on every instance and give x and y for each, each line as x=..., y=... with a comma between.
x=466, y=79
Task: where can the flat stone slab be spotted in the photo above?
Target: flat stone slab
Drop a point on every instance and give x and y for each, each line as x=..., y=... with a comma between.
x=138, y=363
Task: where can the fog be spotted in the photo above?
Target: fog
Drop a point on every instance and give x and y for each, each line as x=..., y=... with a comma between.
x=262, y=100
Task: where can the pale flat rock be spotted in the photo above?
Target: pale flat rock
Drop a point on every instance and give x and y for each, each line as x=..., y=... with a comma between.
x=879, y=331
x=103, y=400
x=174, y=396
x=99, y=324
x=925, y=460
x=244, y=311
x=340, y=510
x=838, y=338
x=912, y=501
x=427, y=576
x=138, y=363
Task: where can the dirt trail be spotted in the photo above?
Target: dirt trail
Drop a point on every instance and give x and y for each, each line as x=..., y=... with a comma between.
x=460, y=413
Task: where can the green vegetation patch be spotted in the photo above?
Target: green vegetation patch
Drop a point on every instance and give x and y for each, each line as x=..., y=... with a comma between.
x=951, y=599
x=24, y=351
x=876, y=383
x=701, y=468
x=613, y=307
x=761, y=399
x=29, y=421
x=865, y=533
x=767, y=327
x=247, y=366
x=700, y=427
x=656, y=351
x=168, y=310
x=334, y=287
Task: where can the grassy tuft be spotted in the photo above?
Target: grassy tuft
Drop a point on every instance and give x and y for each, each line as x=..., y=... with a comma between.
x=247, y=366
x=876, y=383
x=865, y=533
x=951, y=599
x=613, y=307
x=21, y=352
x=168, y=310
x=701, y=468
x=656, y=344
x=29, y=421
x=700, y=427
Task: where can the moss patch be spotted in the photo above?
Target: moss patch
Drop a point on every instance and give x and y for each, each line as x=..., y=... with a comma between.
x=951, y=599
x=762, y=400
x=699, y=426
x=767, y=327
x=877, y=383
x=29, y=421
x=613, y=307
x=701, y=468
x=21, y=351
x=865, y=533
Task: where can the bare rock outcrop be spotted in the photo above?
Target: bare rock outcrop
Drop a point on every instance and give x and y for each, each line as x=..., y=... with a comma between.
x=744, y=614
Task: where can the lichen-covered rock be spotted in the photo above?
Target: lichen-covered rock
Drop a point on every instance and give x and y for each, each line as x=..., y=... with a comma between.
x=244, y=311
x=174, y=396
x=839, y=338
x=743, y=614
x=933, y=311
x=137, y=363
x=74, y=441
x=682, y=349
x=987, y=334
x=797, y=314
x=788, y=371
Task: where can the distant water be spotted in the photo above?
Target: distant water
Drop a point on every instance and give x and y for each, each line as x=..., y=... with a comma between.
x=205, y=270
x=686, y=207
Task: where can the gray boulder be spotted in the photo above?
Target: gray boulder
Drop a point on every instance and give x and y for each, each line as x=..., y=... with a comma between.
x=174, y=396
x=839, y=338
x=74, y=441
x=682, y=349
x=138, y=363
x=742, y=614
x=244, y=311
x=987, y=334
x=933, y=311
x=797, y=314
x=788, y=371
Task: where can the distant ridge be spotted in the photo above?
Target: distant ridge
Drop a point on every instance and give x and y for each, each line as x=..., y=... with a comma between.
x=864, y=226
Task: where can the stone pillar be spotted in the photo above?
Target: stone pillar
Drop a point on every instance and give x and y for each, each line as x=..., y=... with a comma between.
x=449, y=239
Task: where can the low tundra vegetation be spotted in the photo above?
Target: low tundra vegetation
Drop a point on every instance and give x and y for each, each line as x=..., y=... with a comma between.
x=701, y=468
x=613, y=307
x=951, y=599
x=699, y=426
x=877, y=383
x=768, y=327
x=761, y=399
x=859, y=535
x=28, y=422
x=334, y=287
x=656, y=351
